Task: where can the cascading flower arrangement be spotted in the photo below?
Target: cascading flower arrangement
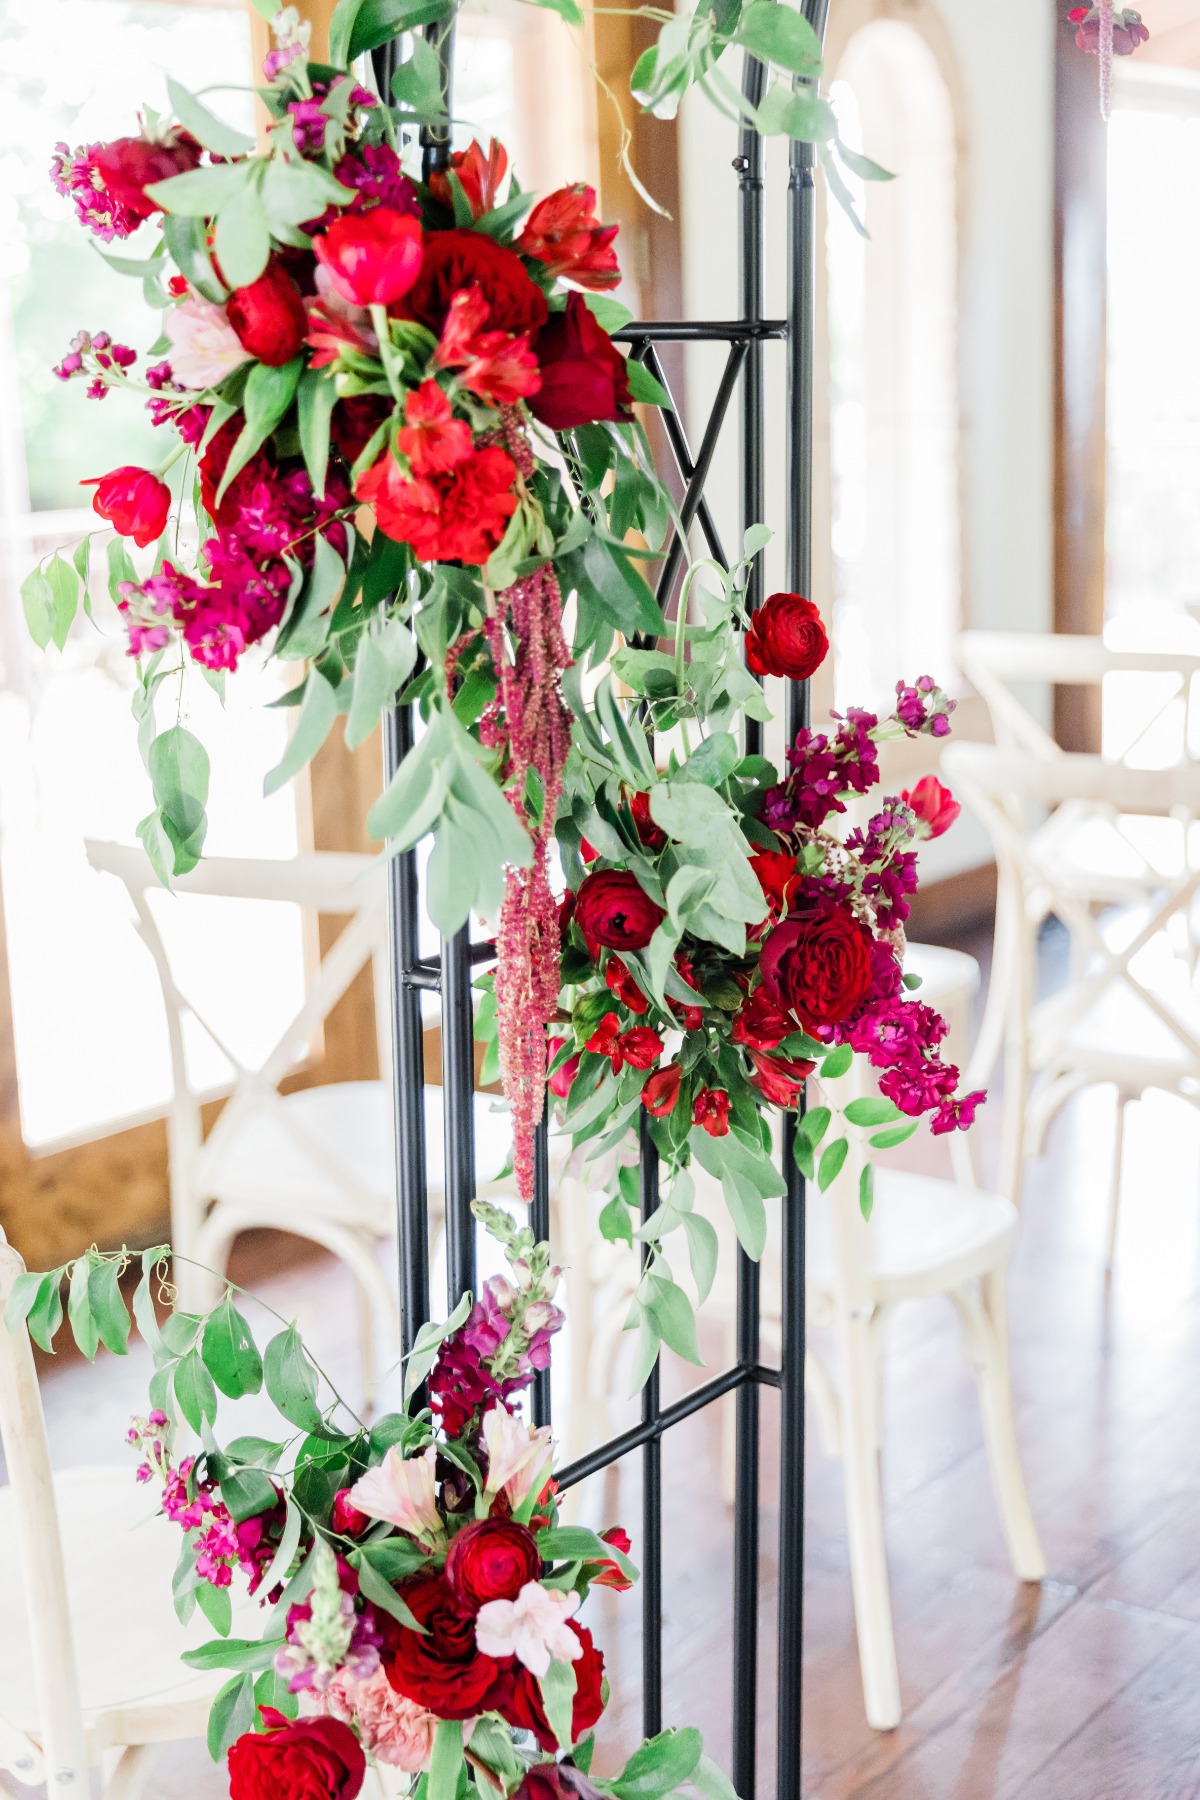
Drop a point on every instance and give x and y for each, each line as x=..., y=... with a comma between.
x=406, y=1595
x=1105, y=31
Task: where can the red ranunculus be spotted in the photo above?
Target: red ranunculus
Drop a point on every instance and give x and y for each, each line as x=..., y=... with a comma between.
x=373, y=258
x=779, y=1079
x=610, y=1574
x=345, y=1517
x=128, y=166
x=491, y=1559
x=135, y=502
x=560, y=1082
x=786, y=637
x=620, y=982
x=521, y=1705
x=442, y=1669
x=296, y=1759
x=612, y=908
x=661, y=1091
x=711, y=1111
x=480, y=174
x=776, y=871
x=935, y=806
x=652, y=835
x=354, y=422
x=456, y=517
x=760, y=1025
x=454, y=260
x=269, y=316
x=584, y=378
x=816, y=965
x=564, y=233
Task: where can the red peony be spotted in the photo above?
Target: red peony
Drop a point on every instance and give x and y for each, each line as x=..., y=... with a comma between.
x=584, y=378
x=296, y=1759
x=491, y=1559
x=521, y=1703
x=612, y=908
x=442, y=1669
x=935, y=806
x=457, y=517
x=816, y=965
x=711, y=1111
x=760, y=1025
x=620, y=982
x=661, y=1091
x=779, y=1079
x=372, y=258
x=786, y=637
x=454, y=260
x=135, y=502
x=564, y=234
x=128, y=166
x=480, y=175
x=269, y=316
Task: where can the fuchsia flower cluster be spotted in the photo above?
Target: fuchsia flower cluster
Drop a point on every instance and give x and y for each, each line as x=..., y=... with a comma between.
x=223, y=1544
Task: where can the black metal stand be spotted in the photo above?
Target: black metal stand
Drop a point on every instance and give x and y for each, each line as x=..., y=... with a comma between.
x=450, y=975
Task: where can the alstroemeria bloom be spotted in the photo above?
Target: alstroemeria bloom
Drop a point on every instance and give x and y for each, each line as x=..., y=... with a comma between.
x=517, y=1453
x=204, y=346
x=432, y=438
x=533, y=1628
x=496, y=365
x=563, y=233
x=373, y=258
x=135, y=502
x=336, y=324
x=401, y=1490
x=934, y=805
x=480, y=176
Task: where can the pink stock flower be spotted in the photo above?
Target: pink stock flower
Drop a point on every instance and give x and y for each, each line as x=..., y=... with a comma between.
x=204, y=346
x=533, y=1627
x=402, y=1490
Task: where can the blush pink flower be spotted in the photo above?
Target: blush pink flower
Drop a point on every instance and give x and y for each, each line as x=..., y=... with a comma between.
x=401, y=1490
x=204, y=346
x=533, y=1627
x=393, y=1728
x=517, y=1453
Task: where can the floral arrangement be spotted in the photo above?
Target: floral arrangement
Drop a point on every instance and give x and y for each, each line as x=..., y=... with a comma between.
x=1106, y=31
x=414, y=1594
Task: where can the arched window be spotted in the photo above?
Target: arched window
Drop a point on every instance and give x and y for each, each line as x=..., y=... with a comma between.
x=894, y=414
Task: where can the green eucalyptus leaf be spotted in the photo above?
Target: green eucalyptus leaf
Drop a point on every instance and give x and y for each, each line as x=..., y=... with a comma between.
x=107, y=1306
x=314, y=721
x=204, y=125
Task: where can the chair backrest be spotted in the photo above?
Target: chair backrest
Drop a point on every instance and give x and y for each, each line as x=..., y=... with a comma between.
x=60, y=1757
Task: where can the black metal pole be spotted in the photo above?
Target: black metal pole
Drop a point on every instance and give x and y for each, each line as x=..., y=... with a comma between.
x=539, y=1223
x=651, y=1479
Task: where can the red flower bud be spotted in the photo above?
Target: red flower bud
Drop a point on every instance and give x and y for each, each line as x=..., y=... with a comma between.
x=373, y=258
x=786, y=637
x=134, y=502
x=269, y=316
x=660, y=1093
x=935, y=806
x=610, y=1574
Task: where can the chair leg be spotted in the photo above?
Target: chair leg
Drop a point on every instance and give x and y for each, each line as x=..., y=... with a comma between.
x=129, y=1773
x=864, y=1520
x=987, y=1324
x=1114, y=1181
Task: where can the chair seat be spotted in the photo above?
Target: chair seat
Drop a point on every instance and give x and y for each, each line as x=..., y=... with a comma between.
x=350, y=1125
x=926, y=1235
x=119, y=1563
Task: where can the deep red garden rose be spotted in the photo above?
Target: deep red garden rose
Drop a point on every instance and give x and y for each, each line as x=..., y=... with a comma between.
x=760, y=1025
x=135, y=502
x=269, y=316
x=564, y=234
x=620, y=982
x=372, y=258
x=459, y=516
x=355, y=421
x=584, y=378
x=652, y=835
x=935, y=806
x=786, y=637
x=454, y=260
x=816, y=965
x=442, y=1670
x=521, y=1704
x=612, y=908
x=710, y=1111
x=779, y=1079
x=491, y=1559
x=661, y=1092
x=128, y=166
x=296, y=1759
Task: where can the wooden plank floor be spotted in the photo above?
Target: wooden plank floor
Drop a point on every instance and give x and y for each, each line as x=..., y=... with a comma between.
x=1087, y=1688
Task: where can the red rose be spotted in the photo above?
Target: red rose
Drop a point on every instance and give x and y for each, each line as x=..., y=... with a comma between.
x=816, y=965
x=372, y=258
x=135, y=502
x=620, y=982
x=711, y=1111
x=442, y=1670
x=564, y=234
x=652, y=835
x=612, y=908
x=296, y=1759
x=935, y=806
x=660, y=1093
x=610, y=1574
x=491, y=1559
x=521, y=1704
x=457, y=517
x=454, y=260
x=355, y=421
x=560, y=1082
x=786, y=637
x=128, y=166
x=760, y=1025
x=778, y=1078
x=776, y=871
x=269, y=316
x=584, y=378
x=480, y=176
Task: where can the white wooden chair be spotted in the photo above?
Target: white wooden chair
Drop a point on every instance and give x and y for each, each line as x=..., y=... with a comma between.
x=1129, y=1014
x=90, y=1675
x=318, y=1162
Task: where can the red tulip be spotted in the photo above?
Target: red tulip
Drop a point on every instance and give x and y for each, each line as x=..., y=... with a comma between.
x=373, y=258
x=660, y=1093
x=134, y=502
x=935, y=806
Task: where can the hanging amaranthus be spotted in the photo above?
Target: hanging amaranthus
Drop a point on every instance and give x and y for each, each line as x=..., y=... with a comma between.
x=1106, y=30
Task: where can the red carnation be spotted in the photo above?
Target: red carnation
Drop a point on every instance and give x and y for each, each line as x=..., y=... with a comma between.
x=304, y=1759
x=269, y=316
x=135, y=502
x=128, y=166
x=584, y=378
x=457, y=517
x=442, y=1669
x=816, y=965
x=779, y=1079
x=620, y=982
x=612, y=908
x=661, y=1091
x=372, y=258
x=461, y=259
x=711, y=1111
x=480, y=176
x=935, y=806
x=521, y=1705
x=491, y=1559
x=564, y=234
x=786, y=637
